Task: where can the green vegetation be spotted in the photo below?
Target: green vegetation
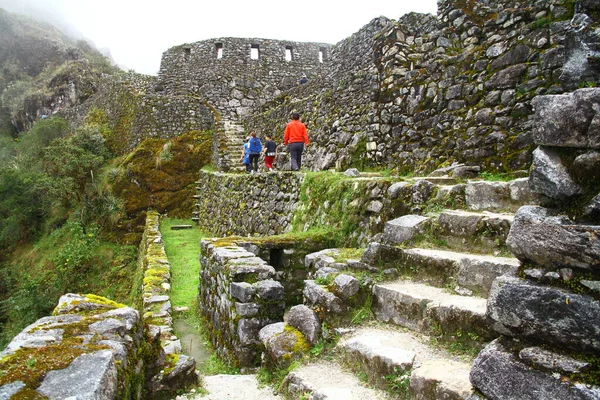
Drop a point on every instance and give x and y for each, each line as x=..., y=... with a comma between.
x=183, y=249
x=70, y=259
x=497, y=177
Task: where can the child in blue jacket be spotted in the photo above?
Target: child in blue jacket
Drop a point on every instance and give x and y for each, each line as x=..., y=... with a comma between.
x=255, y=147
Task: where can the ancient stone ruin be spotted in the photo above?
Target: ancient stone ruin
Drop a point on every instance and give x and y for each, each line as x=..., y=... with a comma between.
x=441, y=259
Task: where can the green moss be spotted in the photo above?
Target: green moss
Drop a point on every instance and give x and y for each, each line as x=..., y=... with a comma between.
x=92, y=298
x=153, y=281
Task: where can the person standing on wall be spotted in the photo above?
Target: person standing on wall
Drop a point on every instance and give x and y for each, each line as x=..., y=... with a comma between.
x=255, y=149
x=297, y=137
x=270, y=152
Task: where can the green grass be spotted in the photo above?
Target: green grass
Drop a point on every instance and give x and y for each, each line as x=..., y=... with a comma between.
x=183, y=250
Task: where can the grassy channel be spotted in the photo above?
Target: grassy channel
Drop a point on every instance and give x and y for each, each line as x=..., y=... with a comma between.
x=183, y=251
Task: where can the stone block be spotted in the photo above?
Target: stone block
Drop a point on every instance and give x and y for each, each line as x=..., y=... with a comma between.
x=379, y=353
x=242, y=291
x=377, y=253
x=568, y=120
x=403, y=229
x=345, y=286
x=89, y=376
x=545, y=315
x=550, y=177
x=306, y=321
x=538, y=236
x=315, y=295
x=441, y=379
x=247, y=309
x=499, y=374
x=269, y=290
x=491, y=196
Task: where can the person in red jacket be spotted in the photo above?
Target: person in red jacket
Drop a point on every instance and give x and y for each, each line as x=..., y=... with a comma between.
x=295, y=137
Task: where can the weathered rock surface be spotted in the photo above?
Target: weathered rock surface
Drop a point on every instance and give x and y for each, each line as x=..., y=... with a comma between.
x=345, y=286
x=326, y=380
x=550, y=177
x=403, y=229
x=316, y=295
x=378, y=352
x=283, y=344
x=306, y=321
x=544, y=314
x=498, y=374
x=539, y=236
x=420, y=307
x=568, y=120
x=441, y=379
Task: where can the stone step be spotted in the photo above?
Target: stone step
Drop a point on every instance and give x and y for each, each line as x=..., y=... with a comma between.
x=436, y=180
x=499, y=196
x=484, y=232
x=230, y=387
x=464, y=272
x=390, y=357
x=327, y=380
x=431, y=310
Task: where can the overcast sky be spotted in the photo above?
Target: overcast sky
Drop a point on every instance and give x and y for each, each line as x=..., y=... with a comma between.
x=137, y=32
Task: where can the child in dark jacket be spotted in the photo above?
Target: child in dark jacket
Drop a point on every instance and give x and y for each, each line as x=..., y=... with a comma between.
x=270, y=152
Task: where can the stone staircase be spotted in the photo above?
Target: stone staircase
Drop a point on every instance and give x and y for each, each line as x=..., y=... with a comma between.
x=227, y=146
x=231, y=387
x=444, y=264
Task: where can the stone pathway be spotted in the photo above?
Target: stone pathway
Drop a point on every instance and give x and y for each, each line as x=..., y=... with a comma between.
x=232, y=387
x=327, y=380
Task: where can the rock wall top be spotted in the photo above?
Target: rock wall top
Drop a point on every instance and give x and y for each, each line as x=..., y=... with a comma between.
x=453, y=88
x=234, y=75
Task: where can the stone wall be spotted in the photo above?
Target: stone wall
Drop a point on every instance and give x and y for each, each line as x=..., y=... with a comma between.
x=173, y=370
x=134, y=111
x=236, y=83
x=549, y=316
x=353, y=210
x=233, y=204
x=238, y=297
x=90, y=348
x=453, y=88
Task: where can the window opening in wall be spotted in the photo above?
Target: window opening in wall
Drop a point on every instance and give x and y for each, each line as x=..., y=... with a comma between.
x=186, y=53
x=254, y=52
x=321, y=54
x=276, y=259
x=219, y=47
x=288, y=53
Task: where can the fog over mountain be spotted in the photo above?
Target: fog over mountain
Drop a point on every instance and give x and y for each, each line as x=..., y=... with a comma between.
x=136, y=32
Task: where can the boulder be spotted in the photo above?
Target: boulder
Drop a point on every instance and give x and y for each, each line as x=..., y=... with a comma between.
x=283, y=344
x=550, y=177
x=306, y=321
x=538, y=236
x=345, y=286
x=499, y=374
x=315, y=295
x=568, y=120
x=544, y=315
